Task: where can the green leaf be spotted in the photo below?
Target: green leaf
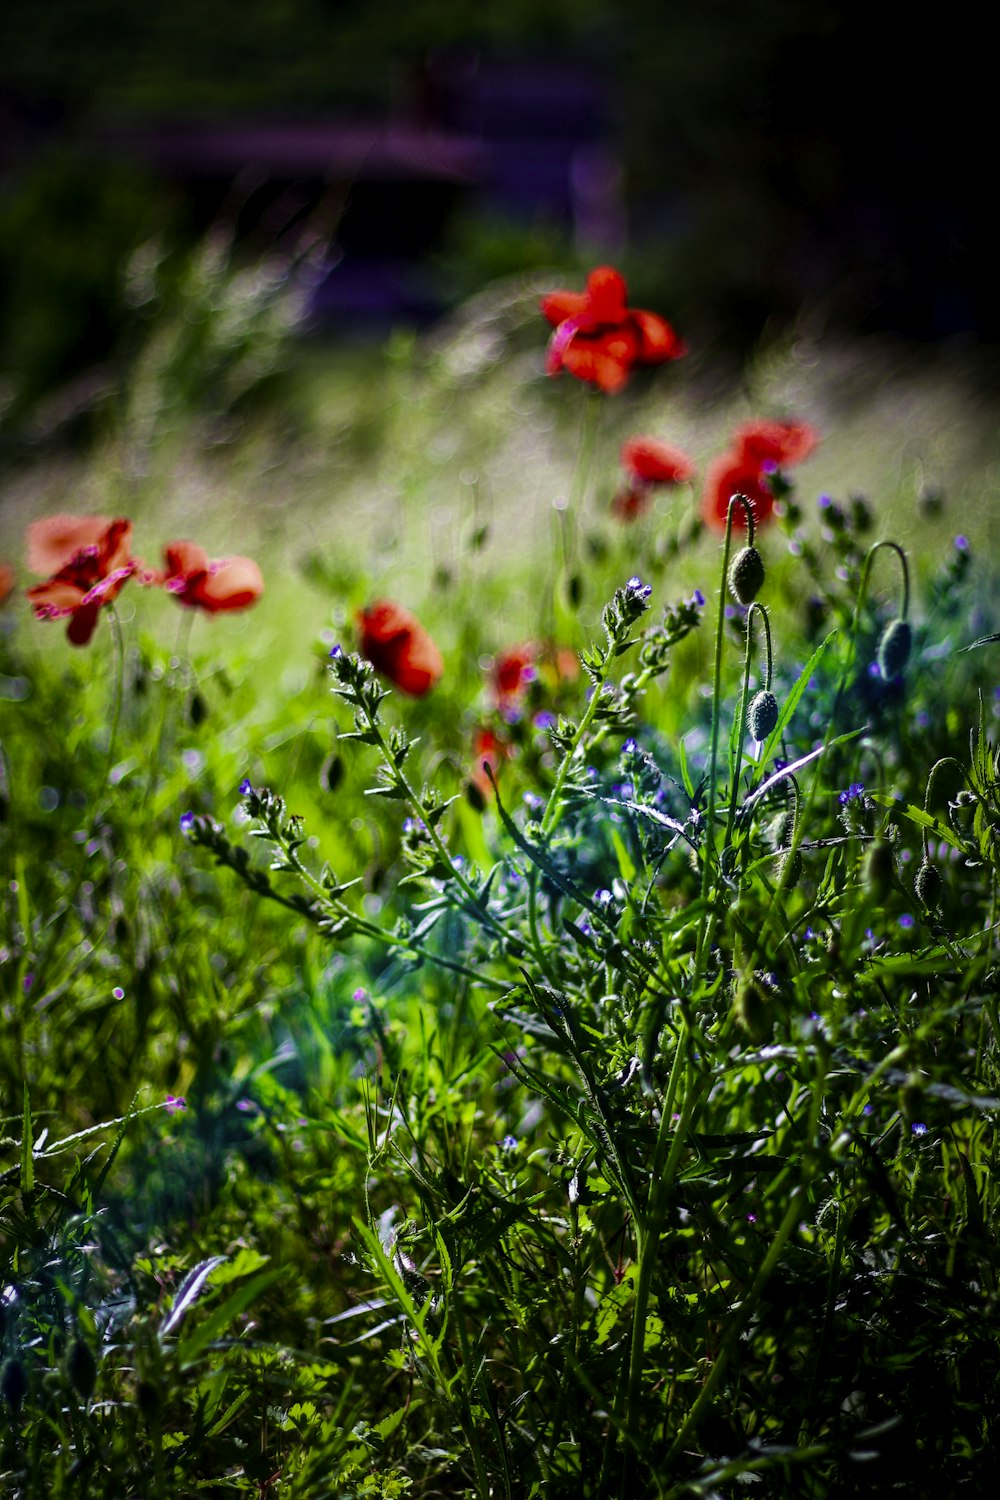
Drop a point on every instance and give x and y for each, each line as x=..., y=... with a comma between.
x=218, y=1321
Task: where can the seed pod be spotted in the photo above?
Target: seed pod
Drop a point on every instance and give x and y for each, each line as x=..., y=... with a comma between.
x=13, y=1383
x=894, y=648
x=927, y=885
x=746, y=575
x=81, y=1367
x=878, y=869
x=762, y=714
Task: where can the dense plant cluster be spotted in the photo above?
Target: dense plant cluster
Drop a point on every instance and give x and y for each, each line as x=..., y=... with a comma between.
x=550, y=1102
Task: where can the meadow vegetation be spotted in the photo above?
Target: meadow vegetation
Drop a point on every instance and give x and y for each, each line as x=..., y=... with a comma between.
x=511, y=1008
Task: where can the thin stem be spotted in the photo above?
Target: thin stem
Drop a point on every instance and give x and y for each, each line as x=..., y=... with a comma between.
x=713, y=759
x=116, y=691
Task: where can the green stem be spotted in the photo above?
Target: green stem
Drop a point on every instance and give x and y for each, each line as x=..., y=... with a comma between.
x=713, y=760
x=116, y=698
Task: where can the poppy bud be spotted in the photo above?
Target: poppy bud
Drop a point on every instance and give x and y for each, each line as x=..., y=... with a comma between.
x=894, y=648
x=331, y=772
x=746, y=575
x=753, y=1012
x=780, y=830
x=13, y=1383
x=474, y=797
x=81, y=1367
x=927, y=884
x=878, y=869
x=762, y=715
x=197, y=710
x=147, y=1398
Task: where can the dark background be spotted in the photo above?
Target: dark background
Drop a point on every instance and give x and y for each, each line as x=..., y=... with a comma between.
x=747, y=165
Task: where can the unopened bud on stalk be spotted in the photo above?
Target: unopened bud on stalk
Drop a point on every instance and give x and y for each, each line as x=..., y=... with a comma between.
x=927, y=884
x=762, y=714
x=878, y=869
x=753, y=1011
x=894, y=648
x=746, y=575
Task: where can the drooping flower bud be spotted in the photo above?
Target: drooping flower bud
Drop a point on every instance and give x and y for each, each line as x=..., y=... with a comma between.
x=878, y=869
x=927, y=884
x=746, y=575
x=780, y=830
x=13, y=1383
x=753, y=1011
x=762, y=714
x=81, y=1367
x=894, y=648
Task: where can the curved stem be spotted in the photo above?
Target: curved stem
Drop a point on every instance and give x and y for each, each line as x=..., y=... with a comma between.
x=945, y=760
x=904, y=566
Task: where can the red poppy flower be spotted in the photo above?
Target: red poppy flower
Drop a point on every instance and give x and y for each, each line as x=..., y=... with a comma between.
x=727, y=475
x=599, y=338
x=398, y=646
x=647, y=463
x=757, y=446
x=214, y=585
x=513, y=673
x=54, y=540
x=782, y=443
x=93, y=575
x=7, y=581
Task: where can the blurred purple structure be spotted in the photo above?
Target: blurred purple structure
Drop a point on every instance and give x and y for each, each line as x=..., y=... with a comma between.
x=508, y=142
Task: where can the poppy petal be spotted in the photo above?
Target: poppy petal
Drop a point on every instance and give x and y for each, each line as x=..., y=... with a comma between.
x=656, y=462
x=53, y=541
x=727, y=475
x=558, y=306
x=231, y=583
x=658, y=342
x=606, y=296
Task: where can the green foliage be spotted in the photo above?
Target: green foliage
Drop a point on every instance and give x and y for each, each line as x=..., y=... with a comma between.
x=627, y=1128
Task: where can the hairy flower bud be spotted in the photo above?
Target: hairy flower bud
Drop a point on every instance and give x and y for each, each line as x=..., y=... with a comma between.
x=762, y=714
x=746, y=575
x=927, y=884
x=13, y=1383
x=894, y=648
x=753, y=1011
x=878, y=869
x=81, y=1367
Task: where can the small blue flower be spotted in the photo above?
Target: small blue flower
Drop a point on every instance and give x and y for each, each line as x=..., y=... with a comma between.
x=854, y=793
x=336, y=651
x=509, y=1143
x=698, y=599
x=246, y=787
x=906, y=920
x=918, y=1128
x=961, y=543
x=187, y=822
